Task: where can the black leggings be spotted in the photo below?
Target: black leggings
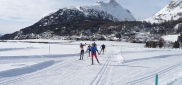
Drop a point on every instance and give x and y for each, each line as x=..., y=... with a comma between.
x=81, y=54
x=102, y=50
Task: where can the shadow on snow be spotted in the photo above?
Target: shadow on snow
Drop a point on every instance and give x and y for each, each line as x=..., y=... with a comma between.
x=155, y=57
x=40, y=56
x=25, y=70
x=12, y=49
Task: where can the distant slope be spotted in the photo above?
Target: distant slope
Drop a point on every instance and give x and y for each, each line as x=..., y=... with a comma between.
x=172, y=11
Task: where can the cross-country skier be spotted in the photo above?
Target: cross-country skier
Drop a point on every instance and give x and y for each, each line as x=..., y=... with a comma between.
x=102, y=48
x=82, y=51
x=93, y=53
x=95, y=44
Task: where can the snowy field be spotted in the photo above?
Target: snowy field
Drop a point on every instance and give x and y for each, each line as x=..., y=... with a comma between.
x=57, y=64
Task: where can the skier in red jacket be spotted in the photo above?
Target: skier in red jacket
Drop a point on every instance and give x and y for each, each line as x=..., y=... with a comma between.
x=82, y=51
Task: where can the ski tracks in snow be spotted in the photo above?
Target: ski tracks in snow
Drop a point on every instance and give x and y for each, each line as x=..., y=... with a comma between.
x=104, y=71
x=56, y=67
x=107, y=77
x=160, y=73
x=101, y=73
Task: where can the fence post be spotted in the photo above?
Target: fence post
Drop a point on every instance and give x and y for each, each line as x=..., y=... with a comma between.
x=156, y=79
x=121, y=48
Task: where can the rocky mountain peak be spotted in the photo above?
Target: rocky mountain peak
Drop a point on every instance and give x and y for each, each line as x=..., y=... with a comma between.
x=108, y=3
x=111, y=7
x=100, y=3
x=174, y=4
x=112, y=1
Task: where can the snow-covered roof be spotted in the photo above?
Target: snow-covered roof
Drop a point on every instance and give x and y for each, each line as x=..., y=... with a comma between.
x=171, y=38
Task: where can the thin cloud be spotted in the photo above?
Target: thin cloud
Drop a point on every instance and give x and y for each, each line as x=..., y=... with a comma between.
x=25, y=10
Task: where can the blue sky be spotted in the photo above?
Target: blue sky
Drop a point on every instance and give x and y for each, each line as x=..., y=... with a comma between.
x=18, y=14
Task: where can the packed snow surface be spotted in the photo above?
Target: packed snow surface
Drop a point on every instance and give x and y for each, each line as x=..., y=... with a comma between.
x=23, y=63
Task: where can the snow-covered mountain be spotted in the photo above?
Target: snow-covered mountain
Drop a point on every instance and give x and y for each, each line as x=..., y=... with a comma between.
x=172, y=11
x=109, y=10
x=111, y=7
x=74, y=21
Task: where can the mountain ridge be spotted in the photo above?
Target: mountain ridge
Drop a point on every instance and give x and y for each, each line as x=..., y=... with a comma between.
x=172, y=11
x=113, y=8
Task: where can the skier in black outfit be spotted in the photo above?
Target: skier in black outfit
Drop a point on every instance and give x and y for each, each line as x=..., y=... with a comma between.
x=102, y=48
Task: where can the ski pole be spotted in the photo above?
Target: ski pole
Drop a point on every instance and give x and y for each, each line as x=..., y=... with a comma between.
x=83, y=82
x=49, y=49
x=87, y=57
x=76, y=51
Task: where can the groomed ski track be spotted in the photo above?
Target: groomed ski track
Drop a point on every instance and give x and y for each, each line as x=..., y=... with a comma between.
x=119, y=66
x=102, y=71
